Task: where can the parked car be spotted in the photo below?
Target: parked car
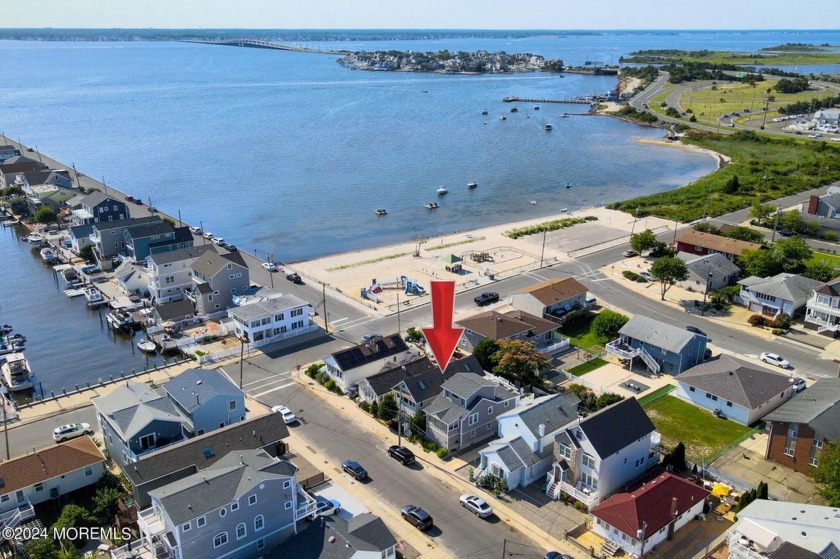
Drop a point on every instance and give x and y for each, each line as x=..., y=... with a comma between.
x=647, y=275
x=707, y=354
x=798, y=384
x=294, y=278
x=557, y=555
x=208, y=235
x=486, y=298
x=286, y=413
x=476, y=505
x=401, y=454
x=786, y=233
x=270, y=266
x=152, y=209
x=369, y=336
x=129, y=198
x=416, y=516
x=232, y=248
x=138, y=201
x=218, y=240
x=697, y=330
x=71, y=431
x=354, y=469
x=773, y=359
x=195, y=230
x=325, y=507
x=629, y=253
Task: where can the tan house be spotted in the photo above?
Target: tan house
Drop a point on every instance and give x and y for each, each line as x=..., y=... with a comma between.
x=557, y=298
x=510, y=325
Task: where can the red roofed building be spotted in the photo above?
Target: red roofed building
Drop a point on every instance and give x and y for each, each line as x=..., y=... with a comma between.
x=638, y=520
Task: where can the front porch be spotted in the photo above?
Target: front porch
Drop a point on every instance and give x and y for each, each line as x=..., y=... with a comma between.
x=556, y=485
x=154, y=543
x=626, y=352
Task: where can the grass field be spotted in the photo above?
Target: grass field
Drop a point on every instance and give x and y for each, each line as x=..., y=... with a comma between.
x=832, y=259
x=578, y=330
x=741, y=58
x=702, y=433
x=587, y=367
x=708, y=104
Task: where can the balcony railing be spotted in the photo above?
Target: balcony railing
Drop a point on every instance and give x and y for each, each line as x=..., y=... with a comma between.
x=306, y=506
x=24, y=511
x=617, y=347
x=150, y=523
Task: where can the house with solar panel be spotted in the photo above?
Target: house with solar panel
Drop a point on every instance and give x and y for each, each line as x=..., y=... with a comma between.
x=349, y=366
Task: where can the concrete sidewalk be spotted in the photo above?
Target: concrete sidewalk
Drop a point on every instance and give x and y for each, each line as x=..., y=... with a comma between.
x=443, y=470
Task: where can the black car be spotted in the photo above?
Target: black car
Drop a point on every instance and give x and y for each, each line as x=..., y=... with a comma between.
x=354, y=469
x=486, y=298
x=786, y=233
x=419, y=518
x=401, y=454
x=294, y=278
x=696, y=330
x=557, y=555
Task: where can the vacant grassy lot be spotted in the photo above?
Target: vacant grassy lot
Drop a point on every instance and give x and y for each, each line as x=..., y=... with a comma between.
x=714, y=101
x=767, y=168
x=702, y=433
x=578, y=330
x=587, y=367
x=769, y=59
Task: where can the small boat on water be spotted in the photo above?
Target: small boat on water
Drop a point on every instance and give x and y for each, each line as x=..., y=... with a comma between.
x=10, y=222
x=502, y=117
x=514, y=110
x=548, y=127
x=485, y=112
x=536, y=108
x=564, y=115
x=93, y=295
x=380, y=211
x=533, y=202
x=48, y=255
x=121, y=320
x=147, y=346
x=472, y=185
x=5, y=329
x=568, y=185
x=563, y=210
x=441, y=190
x=432, y=205
x=34, y=238
x=71, y=276
x=17, y=376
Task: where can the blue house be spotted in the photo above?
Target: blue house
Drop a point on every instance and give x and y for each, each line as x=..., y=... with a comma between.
x=206, y=400
x=662, y=348
x=97, y=207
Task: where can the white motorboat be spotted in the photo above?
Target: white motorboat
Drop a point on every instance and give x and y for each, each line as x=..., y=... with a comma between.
x=48, y=255
x=71, y=276
x=380, y=211
x=147, y=346
x=17, y=376
x=442, y=190
x=472, y=185
x=92, y=294
x=34, y=238
x=431, y=205
x=121, y=320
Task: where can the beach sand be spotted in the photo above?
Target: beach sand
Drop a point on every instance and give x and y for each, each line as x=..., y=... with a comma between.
x=722, y=160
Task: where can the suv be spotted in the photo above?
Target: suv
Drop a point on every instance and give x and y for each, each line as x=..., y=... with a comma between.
x=486, y=298
x=416, y=516
x=696, y=330
x=71, y=431
x=294, y=278
x=354, y=469
x=401, y=454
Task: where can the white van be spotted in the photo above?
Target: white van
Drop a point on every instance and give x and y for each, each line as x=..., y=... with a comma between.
x=591, y=301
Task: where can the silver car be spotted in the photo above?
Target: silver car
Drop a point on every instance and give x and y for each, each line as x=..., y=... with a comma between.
x=476, y=505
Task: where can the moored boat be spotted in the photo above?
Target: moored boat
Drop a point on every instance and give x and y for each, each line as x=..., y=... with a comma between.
x=472, y=185
x=48, y=255
x=34, y=238
x=548, y=127
x=121, y=320
x=502, y=117
x=17, y=375
x=71, y=276
x=92, y=294
x=442, y=190
x=485, y=112
x=380, y=211
x=431, y=205
x=514, y=110
x=147, y=346
x=568, y=185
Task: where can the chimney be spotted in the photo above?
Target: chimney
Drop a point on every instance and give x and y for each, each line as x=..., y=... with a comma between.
x=813, y=204
x=240, y=460
x=674, y=507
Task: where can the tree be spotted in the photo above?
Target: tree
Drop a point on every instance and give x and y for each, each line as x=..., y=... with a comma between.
x=374, y=408
x=667, y=272
x=45, y=214
x=678, y=457
x=792, y=220
x=792, y=253
x=607, y=324
x=761, y=212
x=706, y=227
x=826, y=474
x=417, y=424
x=388, y=409
x=485, y=352
x=745, y=234
x=19, y=206
x=820, y=271
x=643, y=241
x=762, y=491
x=607, y=399
x=760, y=263
x=86, y=253
x=40, y=548
x=732, y=185
x=105, y=503
x=71, y=516
x=519, y=360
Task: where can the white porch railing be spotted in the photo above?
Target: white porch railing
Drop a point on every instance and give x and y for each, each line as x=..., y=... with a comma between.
x=14, y=517
x=556, y=347
x=583, y=494
x=649, y=361
x=306, y=508
x=616, y=347
x=286, y=335
x=150, y=523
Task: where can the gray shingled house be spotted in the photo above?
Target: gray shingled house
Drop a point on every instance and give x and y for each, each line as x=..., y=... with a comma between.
x=663, y=348
x=206, y=399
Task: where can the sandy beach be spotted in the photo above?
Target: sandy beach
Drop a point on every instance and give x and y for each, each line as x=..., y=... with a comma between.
x=722, y=160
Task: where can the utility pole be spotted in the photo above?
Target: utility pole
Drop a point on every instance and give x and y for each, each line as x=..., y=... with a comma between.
x=201, y=226
x=6, y=425
x=270, y=257
x=542, y=253
x=104, y=185
x=399, y=325
x=776, y=221
x=635, y=217
x=705, y=293
x=504, y=548
x=324, y=298
x=241, y=356
x=180, y=223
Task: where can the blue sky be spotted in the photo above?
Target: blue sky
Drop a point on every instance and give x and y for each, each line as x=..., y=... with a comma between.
x=424, y=14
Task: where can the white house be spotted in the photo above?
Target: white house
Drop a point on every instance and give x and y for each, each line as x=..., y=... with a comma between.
x=170, y=273
x=594, y=457
x=348, y=366
x=764, y=528
x=524, y=450
x=45, y=474
x=783, y=293
x=735, y=389
x=823, y=309
x=638, y=520
x=269, y=320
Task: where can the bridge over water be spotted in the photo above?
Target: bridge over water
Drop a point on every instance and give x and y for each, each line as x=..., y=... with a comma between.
x=256, y=44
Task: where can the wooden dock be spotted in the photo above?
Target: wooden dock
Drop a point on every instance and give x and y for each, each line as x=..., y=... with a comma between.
x=573, y=101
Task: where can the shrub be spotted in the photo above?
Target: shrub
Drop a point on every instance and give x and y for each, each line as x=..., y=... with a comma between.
x=442, y=452
x=607, y=324
x=580, y=506
x=45, y=214
x=758, y=320
x=322, y=377
x=633, y=276
x=365, y=406
x=313, y=370
x=782, y=321
x=330, y=384
x=413, y=335
x=777, y=331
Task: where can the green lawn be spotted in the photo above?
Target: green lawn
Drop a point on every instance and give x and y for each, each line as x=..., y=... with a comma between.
x=832, y=259
x=587, y=367
x=702, y=433
x=656, y=394
x=578, y=330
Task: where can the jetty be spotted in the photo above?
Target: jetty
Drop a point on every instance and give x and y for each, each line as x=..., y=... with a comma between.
x=256, y=44
x=573, y=100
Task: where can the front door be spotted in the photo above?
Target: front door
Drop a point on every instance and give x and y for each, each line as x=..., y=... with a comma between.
x=21, y=498
x=147, y=441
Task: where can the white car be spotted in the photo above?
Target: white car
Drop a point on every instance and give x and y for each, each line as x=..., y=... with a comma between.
x=270, y=266
x=647, y=275
x=798, y=384
x=835, y=139
x=476, y=505
x=208, y=235
x=325, y=507
x=218, y=240
x=774, y=359
x=286, y=413
x=195, y=230
x=71, y=431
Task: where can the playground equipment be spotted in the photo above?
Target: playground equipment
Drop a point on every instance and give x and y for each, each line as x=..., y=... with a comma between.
x=411, y=288
x=375, y=289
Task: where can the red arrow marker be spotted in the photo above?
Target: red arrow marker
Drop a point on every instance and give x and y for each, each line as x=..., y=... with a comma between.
x=443, y=338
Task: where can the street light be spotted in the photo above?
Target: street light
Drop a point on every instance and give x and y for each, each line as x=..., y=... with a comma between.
x=705, y=293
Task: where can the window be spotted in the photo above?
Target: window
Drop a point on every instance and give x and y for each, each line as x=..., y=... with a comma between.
x=232, y=405
x=252, y=500
x=259, y=523
x=260, y=544
x=222, y=512
x=234, y=506
x=691, y=389
x=287, y=484
x=38, y=487
x=202, y=520
x=473, y=419
x=186, y=527
x=4, y=499
x=88, y=471
x=297, y=312
x=728, y=404
x=278, y=317
x=472, y=433
x=490, y=426
x=489, y=410
x=241, y=531
x=818, y=443
x=288, y=505
x=230, y=266
x=220, y=539
x=588, y=461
